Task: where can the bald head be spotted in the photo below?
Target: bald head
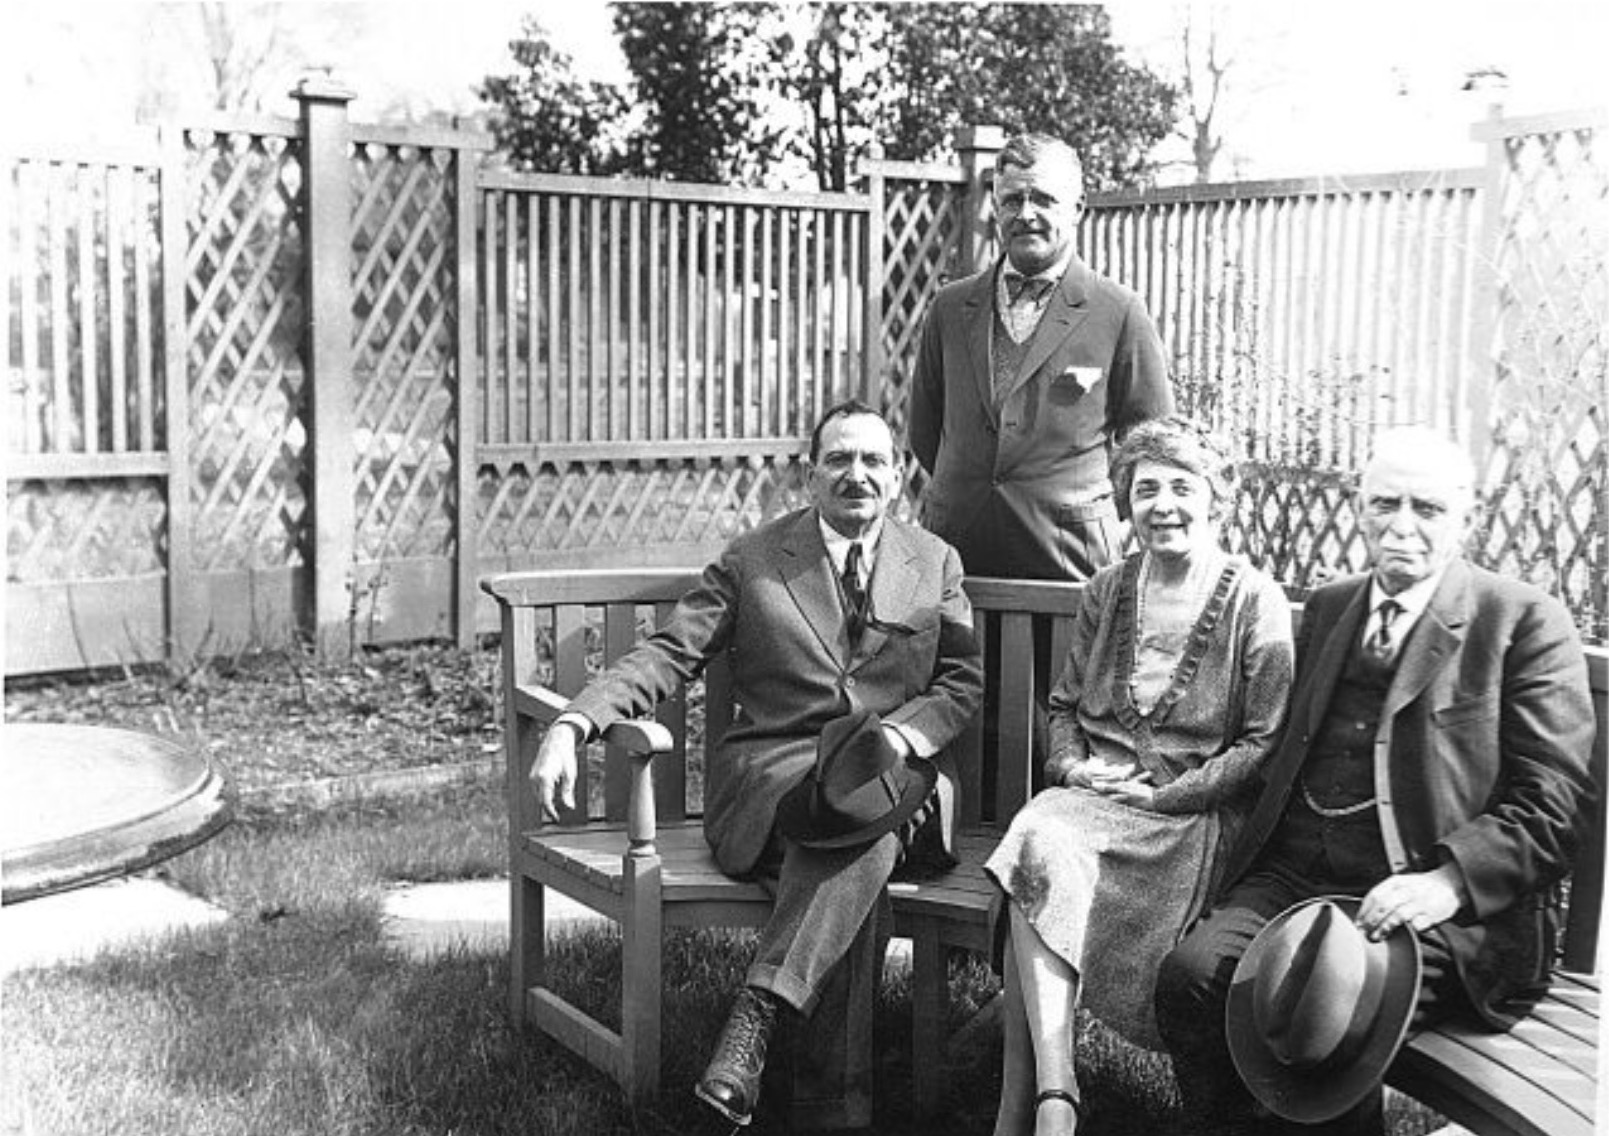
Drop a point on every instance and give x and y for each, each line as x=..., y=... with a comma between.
x=1420, y=447
x=1418, y=499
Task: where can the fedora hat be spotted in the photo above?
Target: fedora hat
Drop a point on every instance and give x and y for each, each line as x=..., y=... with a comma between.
x=1317, y=1011
x=858, y=789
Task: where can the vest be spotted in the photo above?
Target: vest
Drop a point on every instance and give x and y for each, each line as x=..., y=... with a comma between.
x=1337, y=849
x=1006, y=356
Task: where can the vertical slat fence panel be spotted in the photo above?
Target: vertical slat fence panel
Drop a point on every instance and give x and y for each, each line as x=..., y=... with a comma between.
x=648, y=357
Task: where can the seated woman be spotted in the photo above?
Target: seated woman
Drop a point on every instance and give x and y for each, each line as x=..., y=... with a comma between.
x=1172, y=697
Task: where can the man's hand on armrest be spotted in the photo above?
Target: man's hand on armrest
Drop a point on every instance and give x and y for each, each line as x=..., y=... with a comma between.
x=553, y=772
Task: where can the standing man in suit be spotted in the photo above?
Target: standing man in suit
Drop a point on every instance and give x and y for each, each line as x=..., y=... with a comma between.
x=830, y=610
x=1434, y=765
x=1027, y=375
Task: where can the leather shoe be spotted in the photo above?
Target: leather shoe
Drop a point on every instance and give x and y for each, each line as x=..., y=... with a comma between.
x=731, y=1082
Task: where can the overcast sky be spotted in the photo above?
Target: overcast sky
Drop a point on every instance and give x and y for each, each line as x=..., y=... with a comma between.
x=1314, y=88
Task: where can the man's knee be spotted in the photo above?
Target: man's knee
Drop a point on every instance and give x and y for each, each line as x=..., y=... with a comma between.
x=1185, y=979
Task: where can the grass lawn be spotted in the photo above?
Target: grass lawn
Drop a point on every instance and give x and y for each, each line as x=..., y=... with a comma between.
x=297, y=1015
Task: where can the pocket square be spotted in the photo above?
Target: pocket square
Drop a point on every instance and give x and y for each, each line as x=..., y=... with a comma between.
x=1085, y=377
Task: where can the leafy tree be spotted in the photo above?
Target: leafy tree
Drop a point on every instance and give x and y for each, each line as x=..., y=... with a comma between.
x=729, y=91
x=837, y=72
x=546, y=119
x=701, y=71
x=1203, y=78
x=1046, y=67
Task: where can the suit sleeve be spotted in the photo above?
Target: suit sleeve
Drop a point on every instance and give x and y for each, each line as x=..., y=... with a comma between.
x=934, y=717
x=927, y=393
x=699, y=628
x=1139, y=386
x=1068, y=745
x=1528, y=835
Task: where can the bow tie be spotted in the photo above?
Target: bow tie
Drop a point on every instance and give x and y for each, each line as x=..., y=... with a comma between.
x=1031, y=288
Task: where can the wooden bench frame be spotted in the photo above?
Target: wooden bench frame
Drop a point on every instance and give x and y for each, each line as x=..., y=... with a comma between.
x=644, y=862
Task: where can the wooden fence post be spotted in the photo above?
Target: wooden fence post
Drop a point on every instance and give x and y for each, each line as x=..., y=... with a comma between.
x=327, y=273
x=1482, y=357
x=873, y=381
x=977, y=147
x=466, y=536
x=187, y=606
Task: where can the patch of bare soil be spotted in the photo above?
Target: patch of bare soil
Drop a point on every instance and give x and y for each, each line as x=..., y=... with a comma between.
x=283, y=717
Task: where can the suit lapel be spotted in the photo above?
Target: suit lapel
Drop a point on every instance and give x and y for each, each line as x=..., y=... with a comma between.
x=894, y=581
x=1064, y=315
x=806, y=570
x=1332, y=658
x=979, y=305
x=1433, y=639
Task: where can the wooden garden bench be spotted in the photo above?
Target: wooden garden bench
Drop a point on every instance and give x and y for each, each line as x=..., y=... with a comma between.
x=638, y=854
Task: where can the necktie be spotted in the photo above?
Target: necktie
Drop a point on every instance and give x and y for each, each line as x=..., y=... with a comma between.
x=1031, y=288
x=854, y=594
x=1381, y=646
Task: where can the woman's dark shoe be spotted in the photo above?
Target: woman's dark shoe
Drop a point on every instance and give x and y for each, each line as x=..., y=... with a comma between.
x=731, y=1082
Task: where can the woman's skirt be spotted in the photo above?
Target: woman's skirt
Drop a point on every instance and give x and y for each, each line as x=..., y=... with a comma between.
x=1111, y=889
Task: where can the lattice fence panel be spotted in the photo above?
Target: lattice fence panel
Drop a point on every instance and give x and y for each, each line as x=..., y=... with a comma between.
x=403, y=351
x=84, y=530
x=607, y=506
x=1547, y=477
x=924, y=227
x=1300, y=525
x=245, y=322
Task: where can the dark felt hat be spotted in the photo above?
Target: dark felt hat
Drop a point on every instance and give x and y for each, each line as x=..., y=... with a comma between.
x=1317, y=1012
x=859, y=788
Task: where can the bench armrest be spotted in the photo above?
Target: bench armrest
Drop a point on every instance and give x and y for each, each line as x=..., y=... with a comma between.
x=536, y=701
x=640, y=739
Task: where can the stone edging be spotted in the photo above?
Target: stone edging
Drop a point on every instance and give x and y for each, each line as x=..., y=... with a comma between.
x=373, y=786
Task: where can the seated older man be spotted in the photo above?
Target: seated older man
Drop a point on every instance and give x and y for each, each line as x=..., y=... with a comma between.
x=1433, y=768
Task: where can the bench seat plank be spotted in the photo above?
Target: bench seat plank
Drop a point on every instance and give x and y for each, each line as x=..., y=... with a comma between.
x=1537, y=1080
x=687, y=866
x=688, y=872
x=1568, y=1021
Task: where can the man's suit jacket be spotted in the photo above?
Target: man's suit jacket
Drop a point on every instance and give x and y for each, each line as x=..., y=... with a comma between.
x=1481, y=757
x=1021, y=491
x=771, y=603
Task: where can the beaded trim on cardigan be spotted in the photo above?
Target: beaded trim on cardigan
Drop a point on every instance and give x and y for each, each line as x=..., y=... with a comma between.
x=1128, y=614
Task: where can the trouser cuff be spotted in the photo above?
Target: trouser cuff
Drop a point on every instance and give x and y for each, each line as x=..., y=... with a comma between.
x=784, y=986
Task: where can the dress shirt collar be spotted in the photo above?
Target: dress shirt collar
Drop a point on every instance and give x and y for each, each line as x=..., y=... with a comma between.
x=1054, y=273
x=1412, y=600
x=838, y=547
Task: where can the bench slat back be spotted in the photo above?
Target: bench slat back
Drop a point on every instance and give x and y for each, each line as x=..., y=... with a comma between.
x=559, y=629
x=1000, y=757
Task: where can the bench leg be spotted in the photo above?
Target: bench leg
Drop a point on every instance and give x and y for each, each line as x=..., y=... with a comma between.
x=527, y=945
x=641, y=988
x=930, y=995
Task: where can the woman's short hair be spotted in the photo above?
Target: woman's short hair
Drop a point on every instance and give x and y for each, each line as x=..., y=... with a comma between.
x=1175, y=441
